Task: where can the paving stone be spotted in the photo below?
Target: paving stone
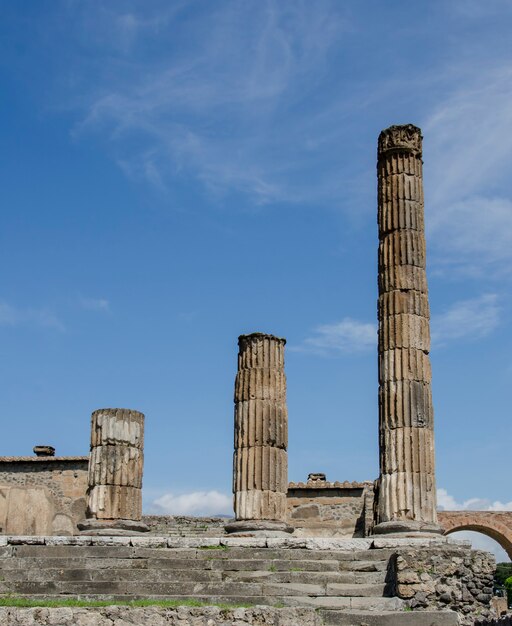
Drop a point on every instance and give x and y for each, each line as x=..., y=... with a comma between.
x=149, y=542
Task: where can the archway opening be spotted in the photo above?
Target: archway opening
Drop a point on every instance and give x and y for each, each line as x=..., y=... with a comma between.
x=484, y=541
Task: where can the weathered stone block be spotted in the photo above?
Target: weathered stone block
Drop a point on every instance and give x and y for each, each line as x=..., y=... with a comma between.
x=406, y=404
x=403, y=277
x=396, y=302
x=404, y=331
x=404, y=364
x=111, y=502
x=261, y=423
x=116, y=465
x=407, y=498
x=260, y=465
x=117, y=427
x=402, y=247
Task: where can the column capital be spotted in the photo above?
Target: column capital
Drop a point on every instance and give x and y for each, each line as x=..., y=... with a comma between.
x=251, y=337
x=404, y=138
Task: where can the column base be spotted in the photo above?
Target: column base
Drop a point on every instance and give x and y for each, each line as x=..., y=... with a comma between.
x=408, y=528
x=258, y=528
x=116, y=527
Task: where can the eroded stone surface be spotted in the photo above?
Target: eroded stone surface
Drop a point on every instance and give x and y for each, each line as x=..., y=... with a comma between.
x=407, y=490
x=446, y=576
x=116, y=464
x=260, y=472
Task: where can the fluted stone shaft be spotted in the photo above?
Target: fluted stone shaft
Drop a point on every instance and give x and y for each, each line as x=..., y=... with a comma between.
x=116, y=464
x=407, y=490
x=260, y=467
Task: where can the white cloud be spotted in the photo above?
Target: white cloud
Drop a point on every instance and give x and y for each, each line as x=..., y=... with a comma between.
x=474, y=318
x=468, y=141
x=13, y=316
x=167, y=117
x=347, y=336
x=446, y=502
x=95, y=304
x=195, y=503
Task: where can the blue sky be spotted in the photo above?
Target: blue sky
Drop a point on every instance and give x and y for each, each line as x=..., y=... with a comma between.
x=177, y=173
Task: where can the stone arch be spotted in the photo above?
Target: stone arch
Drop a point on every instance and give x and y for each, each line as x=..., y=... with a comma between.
x=495, y=524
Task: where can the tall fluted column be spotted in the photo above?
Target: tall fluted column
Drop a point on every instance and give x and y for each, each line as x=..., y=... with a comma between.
x=260, y=465
x=407, y=487
x=114, y=496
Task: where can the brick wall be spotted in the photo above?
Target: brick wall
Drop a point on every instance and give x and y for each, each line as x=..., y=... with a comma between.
x=331, y=509
x=42, y=495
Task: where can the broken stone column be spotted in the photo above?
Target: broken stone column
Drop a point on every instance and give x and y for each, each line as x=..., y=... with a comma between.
x=114, y=495
x=407, y=486
x=260, y=466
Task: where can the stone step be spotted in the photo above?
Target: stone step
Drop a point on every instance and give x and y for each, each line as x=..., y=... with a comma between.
x=185, y=588
x=243, y=565
x=389, y=618
x=121, y=551
x=366, y=603
x=351, y=578
x=331, y=605
x=222, y=565
x=183, y=563
x=75, y=573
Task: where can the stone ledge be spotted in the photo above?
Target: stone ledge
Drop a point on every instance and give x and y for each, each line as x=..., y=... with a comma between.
x=160, y=541
x=420, y=542
x=307, y=543
x=216, y=616
x=43, y=459
x=325, y=484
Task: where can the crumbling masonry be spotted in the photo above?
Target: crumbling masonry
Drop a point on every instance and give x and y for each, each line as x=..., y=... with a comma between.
x=407, y=487
x=360, y=552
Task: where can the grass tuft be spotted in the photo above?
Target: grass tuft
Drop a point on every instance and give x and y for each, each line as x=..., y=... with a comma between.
x=14, y=601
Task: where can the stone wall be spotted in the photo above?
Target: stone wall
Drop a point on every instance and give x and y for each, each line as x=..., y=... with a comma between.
x=180, y=616
x=47, y=496
x=501, y=621
x=330, y=509
x=185, y=526
x=448, y=576
x=42, y=495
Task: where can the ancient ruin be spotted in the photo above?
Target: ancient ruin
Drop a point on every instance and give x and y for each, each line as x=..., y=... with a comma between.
x=260, y=465
x=114, y=494
x=407, y=486
x=347, y=553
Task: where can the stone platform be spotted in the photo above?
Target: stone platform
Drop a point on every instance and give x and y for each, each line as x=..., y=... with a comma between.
x=332, y=581
x=215, y=616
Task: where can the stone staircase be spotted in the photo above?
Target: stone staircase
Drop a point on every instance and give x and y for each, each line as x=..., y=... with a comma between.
x=349, y=586
x=296, y=577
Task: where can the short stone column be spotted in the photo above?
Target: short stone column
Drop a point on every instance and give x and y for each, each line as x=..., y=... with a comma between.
x=260, y=466
x=407, y=486
x=114, y=496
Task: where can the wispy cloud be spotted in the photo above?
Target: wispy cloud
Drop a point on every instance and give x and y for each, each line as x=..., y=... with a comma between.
x=212, y=110
x=475, y=318
x=468, y=139
x=347, y=336
x=15, y=316
x=195, y=503
x=474, y=9
x=94, y=304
